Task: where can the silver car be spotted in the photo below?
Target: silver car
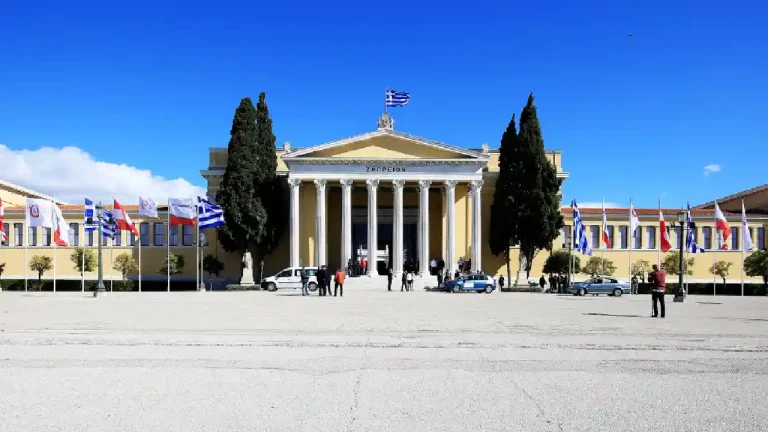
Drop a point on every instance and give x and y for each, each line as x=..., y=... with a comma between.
x=601, y=285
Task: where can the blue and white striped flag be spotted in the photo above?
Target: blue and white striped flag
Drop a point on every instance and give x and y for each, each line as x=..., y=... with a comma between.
x=89, y=217
x=209, y=215
x=580, y=234
x=397, y=98
x=690, y=241
x=107, y=229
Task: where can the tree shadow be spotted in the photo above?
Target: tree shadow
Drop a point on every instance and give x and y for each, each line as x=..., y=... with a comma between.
x=613, y=315
x=709, y=303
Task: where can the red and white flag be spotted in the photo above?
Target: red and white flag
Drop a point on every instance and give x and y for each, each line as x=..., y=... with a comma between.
x=39, y=213
x=183, y=211
x=60, y=228
x=722, y=228
x=606, y=238
x=664, y=235
x=3, y=234
x=122, y=220
x=746, y=236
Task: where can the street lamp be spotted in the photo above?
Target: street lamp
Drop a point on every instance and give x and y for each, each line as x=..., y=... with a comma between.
x=200, y=245
x=682, y=218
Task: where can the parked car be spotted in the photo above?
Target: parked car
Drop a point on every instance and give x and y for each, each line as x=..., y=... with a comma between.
x=472, y=282
x=601, y=285
x=290, y=278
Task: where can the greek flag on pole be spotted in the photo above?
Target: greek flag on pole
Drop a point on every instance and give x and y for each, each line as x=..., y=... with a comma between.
x=580, y=234
x=107, y=229
x=209, y=215
x=90, y=223
x=690, y=241
x=397, y=98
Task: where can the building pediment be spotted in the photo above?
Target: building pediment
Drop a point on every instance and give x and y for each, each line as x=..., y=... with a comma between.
x=385, y=145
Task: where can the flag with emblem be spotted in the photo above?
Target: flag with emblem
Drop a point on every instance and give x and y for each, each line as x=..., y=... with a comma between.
x=396, y=98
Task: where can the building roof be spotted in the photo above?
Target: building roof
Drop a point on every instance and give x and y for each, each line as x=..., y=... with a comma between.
x=736, y=196
x=695, y=212
x=27, y=192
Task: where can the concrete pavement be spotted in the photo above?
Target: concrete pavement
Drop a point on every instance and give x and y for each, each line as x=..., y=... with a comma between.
x=380, y=361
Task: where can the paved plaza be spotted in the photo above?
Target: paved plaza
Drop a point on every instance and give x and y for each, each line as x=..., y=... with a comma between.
x=380, y=361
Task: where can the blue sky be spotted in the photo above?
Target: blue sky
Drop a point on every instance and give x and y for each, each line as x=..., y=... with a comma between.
x=153, y=86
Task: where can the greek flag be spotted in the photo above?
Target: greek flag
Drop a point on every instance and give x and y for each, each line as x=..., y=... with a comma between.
x=209, y=215
x=690, y=241
x=90, y=223
x=580, y=234
x=107, y=229
x=397, y=98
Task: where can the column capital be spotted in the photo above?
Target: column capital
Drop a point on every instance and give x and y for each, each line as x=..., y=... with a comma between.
x=294, y=182
x=476, y=186
x=451, y=184
x=320, y=183
x=425, y=184
x=398, y=184
x=346, y=182
x=372, y=183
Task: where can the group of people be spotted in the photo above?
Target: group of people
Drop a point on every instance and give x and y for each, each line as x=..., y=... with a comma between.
x=324, y=279
x=357, y=267
x=406, y=280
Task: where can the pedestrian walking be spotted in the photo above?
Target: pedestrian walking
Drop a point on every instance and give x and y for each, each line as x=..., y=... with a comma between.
x=389, y=279
x=409, y=280
x=542, y=282
x=339, y=288
x=658, y=278
x=304, y=281
x=634, y=285
x=404, y=282
x=501, y=282
x=321, y=282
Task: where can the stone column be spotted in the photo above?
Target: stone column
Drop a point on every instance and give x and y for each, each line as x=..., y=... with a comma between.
x=397, y=229
x=294, y=184
x=346, y=222
x=373, y=226
x=423, y=233
x=321, y=242
x=477, y=223
x=450, y=225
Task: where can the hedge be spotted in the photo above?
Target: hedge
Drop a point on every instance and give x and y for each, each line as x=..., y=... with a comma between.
x=731, y=289
x=118, y=285
x=237, y=287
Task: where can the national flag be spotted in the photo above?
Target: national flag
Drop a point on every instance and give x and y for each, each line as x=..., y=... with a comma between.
x=60, y=228
x=209, y=214
x=746, y=236
x=183, y=211
x=108, y=226
x=90, y=223
x=722, y=228
x=664, y=235
x=39, y=213
x=634, y=221
x=122, y=220
x=147, y=207
x=397, y=98
x=606, y=238
x=690, y=240
x=580, y=235
x=3, y=234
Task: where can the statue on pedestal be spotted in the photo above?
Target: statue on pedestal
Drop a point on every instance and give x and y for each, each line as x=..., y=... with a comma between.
x=247, y=277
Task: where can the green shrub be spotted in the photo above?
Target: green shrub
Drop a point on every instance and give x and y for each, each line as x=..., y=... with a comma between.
x=123, y=285
x=237, y=287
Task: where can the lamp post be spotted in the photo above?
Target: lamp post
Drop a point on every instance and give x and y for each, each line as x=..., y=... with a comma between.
x=682, y=218
x=200, y=245
x=100, y=288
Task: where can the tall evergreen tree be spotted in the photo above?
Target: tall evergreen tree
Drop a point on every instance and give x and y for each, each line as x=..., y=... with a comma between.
x=526, y=207
x=255, y=219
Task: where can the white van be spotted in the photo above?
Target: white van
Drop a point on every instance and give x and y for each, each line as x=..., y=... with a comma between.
x=290, y=278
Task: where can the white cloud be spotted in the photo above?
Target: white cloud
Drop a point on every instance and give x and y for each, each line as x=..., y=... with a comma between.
x=712, y=168
x=71, y=174
x=597, y=204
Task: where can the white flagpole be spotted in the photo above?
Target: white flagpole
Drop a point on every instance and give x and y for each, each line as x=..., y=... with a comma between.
x=717, y=246
x=111, y=248
x=139, y=257
x=82, y=272
x=168, y=242
x=197, y=249
x=658, y=245
x=631, y=241
x=744, y=231
x=52, y=238
x=25, y=238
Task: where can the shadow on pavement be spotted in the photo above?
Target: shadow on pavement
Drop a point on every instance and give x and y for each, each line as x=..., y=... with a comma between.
x=613, y=315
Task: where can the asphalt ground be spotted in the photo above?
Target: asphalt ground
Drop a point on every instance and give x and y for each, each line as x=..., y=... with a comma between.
x=380, y=361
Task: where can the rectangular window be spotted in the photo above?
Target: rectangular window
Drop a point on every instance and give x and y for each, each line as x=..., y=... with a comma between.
x=144, y=233
x=651, y=235
x=104, y=240
x=18, y=234
x=159, y=234
x=637, y=238
x=175, y=235
x=7, y=239
x=89, y=238
x=594, y=231
x=623, y=240
x=46, y=236
x=678, y=237
x=32, y=240
x=74, y=234
x=735, y=243
x=610, y=230
x=187, y=235
x=131, y=238
x=761, y=238
x=707, y=232
x=118, y=240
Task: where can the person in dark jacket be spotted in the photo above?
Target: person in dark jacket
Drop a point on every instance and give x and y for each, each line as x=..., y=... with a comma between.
x=304, y=281
x=404, y=283
x=542, y=282
x=389, y=279
x=321, y=281
x=501, y=282
x=658, y=278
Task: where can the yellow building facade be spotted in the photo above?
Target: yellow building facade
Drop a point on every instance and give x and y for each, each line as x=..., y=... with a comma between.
x=415, y=199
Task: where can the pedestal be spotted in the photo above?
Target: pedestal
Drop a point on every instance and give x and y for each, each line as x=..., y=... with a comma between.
x=522, y=280
x=247, y=278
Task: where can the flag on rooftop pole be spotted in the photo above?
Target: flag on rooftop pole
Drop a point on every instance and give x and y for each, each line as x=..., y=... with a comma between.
x=582, y=242
x=394, y=98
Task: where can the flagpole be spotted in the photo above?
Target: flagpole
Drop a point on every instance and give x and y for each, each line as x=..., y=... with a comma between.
x=658, y=245
x=744, y=231
x=25, y=238
x=52, y=238
x=684, y=238
x=631, y=243
x=197, y=249
x=168, y=242
x=139, y=257
x=717, y=246
x=385, y=99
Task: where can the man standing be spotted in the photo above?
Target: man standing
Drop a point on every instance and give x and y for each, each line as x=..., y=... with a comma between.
x=389, y=279
x=501, y=282
x=658, y=279
x=304, y=281
x=321, y=281
x=339, y=288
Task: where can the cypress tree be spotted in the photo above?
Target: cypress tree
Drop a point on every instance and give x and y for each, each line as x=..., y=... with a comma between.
x=254, y=218
x=502, y=230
